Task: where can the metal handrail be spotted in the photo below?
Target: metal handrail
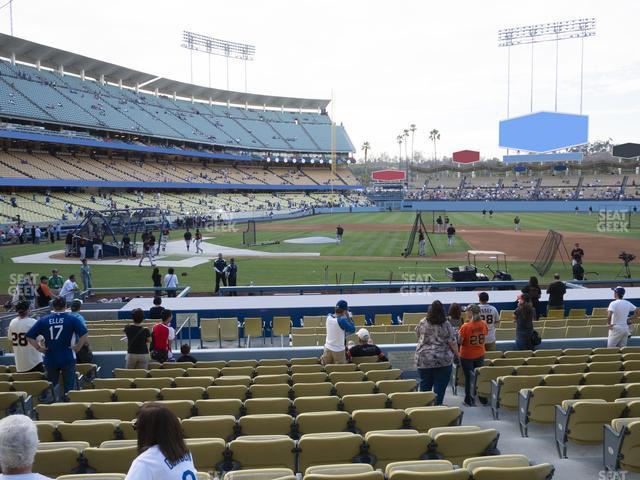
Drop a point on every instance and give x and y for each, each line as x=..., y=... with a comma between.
x=6, y=319
x=179, y=330
x=408, y=286
x=184, y=290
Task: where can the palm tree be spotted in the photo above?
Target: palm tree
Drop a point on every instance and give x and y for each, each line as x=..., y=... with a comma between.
x=405, y=136
x=412, y=127
x=434, y=136
x=365, y=147
x=399, y=140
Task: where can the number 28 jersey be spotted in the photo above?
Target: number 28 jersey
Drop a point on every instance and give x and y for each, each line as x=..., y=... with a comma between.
x=472, y=339
x=490, y=315
x=26, y=357
x=58, y=330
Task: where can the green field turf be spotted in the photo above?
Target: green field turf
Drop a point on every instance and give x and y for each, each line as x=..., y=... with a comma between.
x=355, y=244
x=569, y=222
x=275, y=271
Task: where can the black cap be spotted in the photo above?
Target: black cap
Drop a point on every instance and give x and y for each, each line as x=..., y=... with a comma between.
x=22, y=306
x=59, y=303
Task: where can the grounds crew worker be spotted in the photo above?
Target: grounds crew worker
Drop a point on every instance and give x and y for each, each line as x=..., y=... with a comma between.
x=338, y=323
x=219, y=266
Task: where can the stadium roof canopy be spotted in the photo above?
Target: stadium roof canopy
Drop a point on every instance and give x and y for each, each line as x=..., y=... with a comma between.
x=34, y=53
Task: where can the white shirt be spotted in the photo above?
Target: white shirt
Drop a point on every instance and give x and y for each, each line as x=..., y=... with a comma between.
x=68, y=290
x=24, y=476
x=26, y=357
x=335, y=335
x=170, y=280
x=152, y=465
x=490, y=315
x=620, y=310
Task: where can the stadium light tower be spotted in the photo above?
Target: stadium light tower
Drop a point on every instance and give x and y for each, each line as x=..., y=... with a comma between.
x=215, y=46
x=547, y=32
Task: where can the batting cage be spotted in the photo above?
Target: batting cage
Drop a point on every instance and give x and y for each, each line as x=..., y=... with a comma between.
x=418, y=227
x=113, y=226
x=249, y=235
x=552, y=244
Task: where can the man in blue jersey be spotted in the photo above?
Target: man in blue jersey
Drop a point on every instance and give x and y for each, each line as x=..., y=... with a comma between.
x=58, y=330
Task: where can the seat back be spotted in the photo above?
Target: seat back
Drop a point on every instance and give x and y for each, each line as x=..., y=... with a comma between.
x=327, y=449
x=316, y=404
x=228, y=329
x=389, y=446
x=209, y=329
x=423, y=419
x=264, y=451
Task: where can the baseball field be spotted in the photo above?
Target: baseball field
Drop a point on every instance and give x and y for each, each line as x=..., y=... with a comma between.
x=371, y=250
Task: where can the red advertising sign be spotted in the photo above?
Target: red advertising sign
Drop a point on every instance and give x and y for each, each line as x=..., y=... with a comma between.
x=389, y=175
x=466, y=156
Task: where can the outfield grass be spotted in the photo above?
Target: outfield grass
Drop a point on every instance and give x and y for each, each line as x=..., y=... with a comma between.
x=569, y=222
x=355, y=244
x=274, y=271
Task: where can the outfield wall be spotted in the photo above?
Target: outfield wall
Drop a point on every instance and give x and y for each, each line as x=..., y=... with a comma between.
x=519, y=205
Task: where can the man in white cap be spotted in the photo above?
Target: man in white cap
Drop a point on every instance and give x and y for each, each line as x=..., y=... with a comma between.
x=365, y=347
x=618, y=318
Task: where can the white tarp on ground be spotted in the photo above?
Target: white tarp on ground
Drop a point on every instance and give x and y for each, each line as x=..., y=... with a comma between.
x=175, y=248
x=311, y=240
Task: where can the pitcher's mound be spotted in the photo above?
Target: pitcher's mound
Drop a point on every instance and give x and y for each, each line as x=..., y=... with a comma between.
x=311, y=240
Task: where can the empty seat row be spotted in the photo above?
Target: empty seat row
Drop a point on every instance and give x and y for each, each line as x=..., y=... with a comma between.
x=380, y=338
x=559, y=313
x=228, y=427
x=244, y=375
x=377, y=448
x=505, y=390
x=559, y=375
x=37, y=390
x=494, y=467
x=582, y=420
x=14, y=402
x=538, y=404
x=558, y=352
x=596, y=358
x=147, y=389
x=593, y=331
x=71, y=411
x=373, y=329
x=622, y=443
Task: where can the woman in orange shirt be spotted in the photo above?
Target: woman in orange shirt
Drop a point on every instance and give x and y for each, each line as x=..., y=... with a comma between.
x=472, y=336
